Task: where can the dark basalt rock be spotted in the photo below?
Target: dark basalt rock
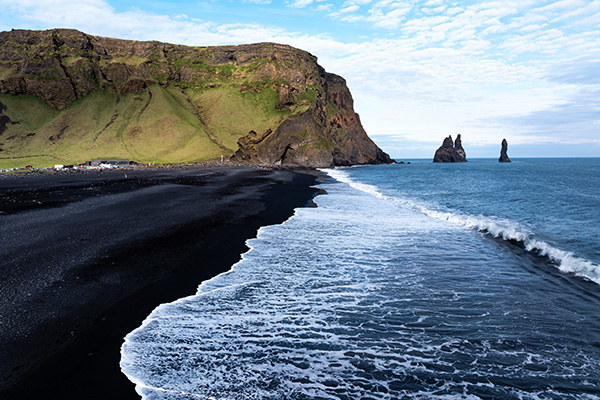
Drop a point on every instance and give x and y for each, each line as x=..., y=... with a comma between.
x=316, y=138
x=503, y=155
x=307, y=141
x=449, y=152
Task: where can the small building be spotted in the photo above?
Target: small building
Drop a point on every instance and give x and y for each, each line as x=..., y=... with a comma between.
x=116, y=162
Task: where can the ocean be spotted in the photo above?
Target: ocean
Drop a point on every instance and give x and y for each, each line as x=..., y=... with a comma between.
x=477, y=280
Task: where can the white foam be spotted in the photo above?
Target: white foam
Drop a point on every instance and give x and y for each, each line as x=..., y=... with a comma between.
x=567, y=261
x=334, y=303
x=499, y=228
x=342, y=176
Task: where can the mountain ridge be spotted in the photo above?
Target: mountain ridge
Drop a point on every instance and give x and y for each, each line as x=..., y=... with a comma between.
x=72, y=96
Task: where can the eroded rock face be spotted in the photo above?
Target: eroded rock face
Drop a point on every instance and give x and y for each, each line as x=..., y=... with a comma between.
x=62, y=65
x=449, y=152
x=328, y=134
x=321, y=129
x=503, y=152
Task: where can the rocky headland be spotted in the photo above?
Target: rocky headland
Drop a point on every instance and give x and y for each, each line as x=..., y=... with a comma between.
x=450, y=152
x=66, y=96
x=503, y=152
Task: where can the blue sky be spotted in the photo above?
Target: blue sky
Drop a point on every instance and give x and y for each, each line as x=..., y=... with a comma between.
x=419, y=70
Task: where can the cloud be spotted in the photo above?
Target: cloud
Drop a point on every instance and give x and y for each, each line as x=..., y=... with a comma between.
x=579, y=71
x=561, y=6
x=592, y=20
x=258, y=1
x=348, y=3
x=349, y=9
x=300, y=3
x=97, y=17
x=576, y=121
x=553, y=42
x=386, y=14
x=487, y=70
x=324, y=7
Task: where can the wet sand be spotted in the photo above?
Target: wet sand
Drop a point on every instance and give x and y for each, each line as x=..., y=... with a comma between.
x=85, y=257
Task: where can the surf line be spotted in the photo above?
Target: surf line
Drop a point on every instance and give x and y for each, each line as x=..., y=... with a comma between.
x=176, y=392
x=510, y=231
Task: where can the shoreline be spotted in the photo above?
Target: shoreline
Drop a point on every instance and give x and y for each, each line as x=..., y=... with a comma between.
x=76, y=353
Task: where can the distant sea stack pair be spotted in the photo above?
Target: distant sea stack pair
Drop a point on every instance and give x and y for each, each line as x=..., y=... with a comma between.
x=454, y=152
x=450, y=152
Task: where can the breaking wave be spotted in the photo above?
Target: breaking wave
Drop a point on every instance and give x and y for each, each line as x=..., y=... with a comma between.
x=363, y=297
x=505, y=229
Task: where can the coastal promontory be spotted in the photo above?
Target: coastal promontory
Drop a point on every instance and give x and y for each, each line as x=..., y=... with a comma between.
x=450, y=152
x=66, y=96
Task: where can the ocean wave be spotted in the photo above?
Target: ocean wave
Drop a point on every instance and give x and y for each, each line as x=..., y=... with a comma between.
x=342, y=176
x=505, y=229
x=335, y=303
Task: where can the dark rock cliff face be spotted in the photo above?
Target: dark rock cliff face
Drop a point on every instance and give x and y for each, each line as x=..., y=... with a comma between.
x=503, y=152
x=319, y=127
x=327, y=134
x=449, y=152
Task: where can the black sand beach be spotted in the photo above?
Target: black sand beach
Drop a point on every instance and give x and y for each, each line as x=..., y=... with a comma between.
x=85, y=257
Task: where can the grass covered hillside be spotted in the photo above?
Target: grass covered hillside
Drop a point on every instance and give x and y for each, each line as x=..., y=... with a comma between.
x=67, y=97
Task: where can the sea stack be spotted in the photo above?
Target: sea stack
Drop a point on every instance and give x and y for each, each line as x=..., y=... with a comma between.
x=449, y=152
x=503, y=155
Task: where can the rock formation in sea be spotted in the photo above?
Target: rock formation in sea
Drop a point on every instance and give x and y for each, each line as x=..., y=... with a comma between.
x=503, y=154
x=68, y=97
x=449, y=152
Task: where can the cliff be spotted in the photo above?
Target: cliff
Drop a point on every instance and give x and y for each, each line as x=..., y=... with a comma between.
x=449, y=152
x=69, y=96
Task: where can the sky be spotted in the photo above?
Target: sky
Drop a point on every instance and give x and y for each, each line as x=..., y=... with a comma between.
x=418, y=70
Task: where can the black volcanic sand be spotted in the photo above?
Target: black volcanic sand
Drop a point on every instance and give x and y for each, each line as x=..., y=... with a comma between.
x=85, y=257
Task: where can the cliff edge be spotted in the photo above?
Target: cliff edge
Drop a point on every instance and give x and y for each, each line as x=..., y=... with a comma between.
x=69, y=96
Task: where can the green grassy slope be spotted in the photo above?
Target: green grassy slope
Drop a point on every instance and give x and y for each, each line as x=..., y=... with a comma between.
x=67, y=97
x=159, y=125
x=149, y=127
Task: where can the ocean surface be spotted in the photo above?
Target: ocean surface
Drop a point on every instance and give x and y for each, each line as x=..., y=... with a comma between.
x=477, y=280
